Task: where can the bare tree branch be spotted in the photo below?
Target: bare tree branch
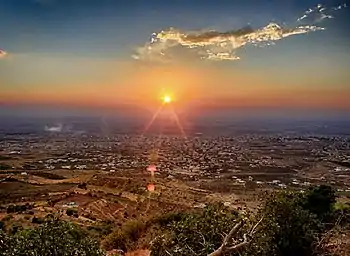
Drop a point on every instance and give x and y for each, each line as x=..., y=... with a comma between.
x=253, y=230
x=233, y=231
x=246, y=239
x=238, y=246
x=204, y=242
x=328, y=234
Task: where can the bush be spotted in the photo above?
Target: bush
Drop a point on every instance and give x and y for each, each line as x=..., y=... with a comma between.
x=15, y=228
x=196, y=232
x=38, y=220
x=168, y=218
x=342, y=215
x=4, y=166
x=124, y=238
x=320, y=201
x=116, y=239
x=16, y=208
x=10, y=209
x=72, y=212
x=293, y=224
x=103, y=228
x=339, y=206
x=52, y=238
x=287, y=228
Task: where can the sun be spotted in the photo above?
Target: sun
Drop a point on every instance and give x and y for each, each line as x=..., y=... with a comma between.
x=166, y=99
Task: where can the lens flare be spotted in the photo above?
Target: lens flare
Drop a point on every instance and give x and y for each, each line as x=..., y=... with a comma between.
x=166, y=99
x=152, y=168
x=151, y=187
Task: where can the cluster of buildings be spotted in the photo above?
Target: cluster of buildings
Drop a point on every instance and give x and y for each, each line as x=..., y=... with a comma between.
x=264, y=160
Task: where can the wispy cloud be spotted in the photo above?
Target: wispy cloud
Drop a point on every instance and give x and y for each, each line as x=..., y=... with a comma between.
x=2, y=54
x=319, y=13
x=214, y=45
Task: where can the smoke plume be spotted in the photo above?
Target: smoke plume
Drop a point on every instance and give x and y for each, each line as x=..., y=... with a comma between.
x=56, y=128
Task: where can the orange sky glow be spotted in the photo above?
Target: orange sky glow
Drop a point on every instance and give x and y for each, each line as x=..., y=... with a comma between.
x=145, y=87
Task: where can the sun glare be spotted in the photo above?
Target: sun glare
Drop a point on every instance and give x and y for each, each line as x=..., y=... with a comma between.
x=166, y=99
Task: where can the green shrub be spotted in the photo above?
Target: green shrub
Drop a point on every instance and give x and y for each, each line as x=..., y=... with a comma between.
x=116, y=239
x=16, y=208
x=134, y=229
x=320, y=201
x=194, y=233
x=4, y=166
x=37, y=220
x=15, y=228
x=339, y=206
x=124, y=238
x=50, y=239
x=71, y=212
x=168, y=218
x=287, y=228
x=292, y=224
x=101, y=229
x=342, y=215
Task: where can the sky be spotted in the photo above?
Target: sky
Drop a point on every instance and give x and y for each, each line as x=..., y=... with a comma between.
x=205, y=54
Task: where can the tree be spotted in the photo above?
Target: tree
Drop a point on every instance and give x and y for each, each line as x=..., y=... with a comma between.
x=291, y=223
x=286, y=224
x=226, y=248
x=195, y=233
x=319, y=201
x=287, y=228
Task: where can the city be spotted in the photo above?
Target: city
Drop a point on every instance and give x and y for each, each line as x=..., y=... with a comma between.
x=205, y=167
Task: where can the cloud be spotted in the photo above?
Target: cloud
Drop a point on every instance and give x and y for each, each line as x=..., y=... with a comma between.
x=169, y=44
x=339, y=7
x=319, y=13
x=214, y=45
x=2, y=54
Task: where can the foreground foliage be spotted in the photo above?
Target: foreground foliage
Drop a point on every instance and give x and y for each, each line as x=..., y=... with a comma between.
x=290, y=223
x=53, y=238
x=197, y=233
x=287, y=229
x=293, y=224
x=124, y=238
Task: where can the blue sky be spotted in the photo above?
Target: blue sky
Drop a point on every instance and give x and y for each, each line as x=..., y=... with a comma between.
x=105, y=27
x=67, y=43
